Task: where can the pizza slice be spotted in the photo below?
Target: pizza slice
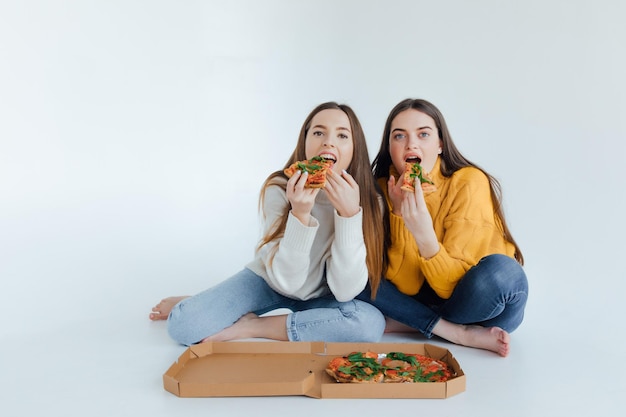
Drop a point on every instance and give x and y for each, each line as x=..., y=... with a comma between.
x=317, y=167
x=357, y=367
x=414, y=171
x=412, y=367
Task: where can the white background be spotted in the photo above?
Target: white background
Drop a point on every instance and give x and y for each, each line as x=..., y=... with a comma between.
x=135, y=135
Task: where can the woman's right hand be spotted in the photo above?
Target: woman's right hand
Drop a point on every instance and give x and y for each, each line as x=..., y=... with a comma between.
x=396, y=195
x=419, y=222
x=301, y=199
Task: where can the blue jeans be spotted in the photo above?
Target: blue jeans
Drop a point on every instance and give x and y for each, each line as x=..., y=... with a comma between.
x=320, y=319
x=492, y=293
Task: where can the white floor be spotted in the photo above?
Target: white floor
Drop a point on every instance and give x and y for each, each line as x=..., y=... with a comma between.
x=113, y=367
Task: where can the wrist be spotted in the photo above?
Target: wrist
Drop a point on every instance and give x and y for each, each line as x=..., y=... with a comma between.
x=430, y=252
x=303, y=217
x=349, y=213
x=428, y=248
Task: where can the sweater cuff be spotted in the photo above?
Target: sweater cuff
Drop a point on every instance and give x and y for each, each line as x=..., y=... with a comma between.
x=439, y=267
x=398, y=230
x=349, y=230
x=298, y=236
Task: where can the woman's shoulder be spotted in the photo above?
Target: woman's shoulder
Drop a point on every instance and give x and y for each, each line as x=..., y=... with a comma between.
x=273, y=196
x=469, y=174
x=274, y=188
x=470, y=177
x=276, y=180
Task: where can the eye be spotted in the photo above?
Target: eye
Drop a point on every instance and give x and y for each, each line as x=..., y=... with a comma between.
x=423, y=134
x=398, y=136
x=317, y=133
x=343, y=136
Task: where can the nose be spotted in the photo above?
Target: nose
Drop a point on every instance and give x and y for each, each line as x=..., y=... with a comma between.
x=412, y=142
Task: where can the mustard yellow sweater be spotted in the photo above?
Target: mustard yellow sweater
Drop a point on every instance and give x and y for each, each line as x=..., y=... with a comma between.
x=463, y=218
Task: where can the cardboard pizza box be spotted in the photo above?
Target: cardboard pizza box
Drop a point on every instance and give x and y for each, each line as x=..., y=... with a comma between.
x=251, y=369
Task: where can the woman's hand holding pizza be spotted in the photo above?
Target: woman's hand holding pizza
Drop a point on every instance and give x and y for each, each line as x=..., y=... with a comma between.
x=343, y=193
x=396, y=195
x=301, y=199
x=417, y=219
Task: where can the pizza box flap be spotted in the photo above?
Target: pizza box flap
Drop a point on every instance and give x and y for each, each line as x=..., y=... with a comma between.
x=226, y=369
x=273, y=347
x=233, y=369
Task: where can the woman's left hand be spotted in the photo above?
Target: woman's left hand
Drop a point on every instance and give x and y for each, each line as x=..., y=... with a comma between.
x=419, y=222
x=343, y=193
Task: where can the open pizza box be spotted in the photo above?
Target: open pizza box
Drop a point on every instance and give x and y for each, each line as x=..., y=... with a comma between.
x=251, y=369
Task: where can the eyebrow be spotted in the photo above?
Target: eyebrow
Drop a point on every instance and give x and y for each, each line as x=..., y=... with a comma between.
x=324, y=127
x=419, y=128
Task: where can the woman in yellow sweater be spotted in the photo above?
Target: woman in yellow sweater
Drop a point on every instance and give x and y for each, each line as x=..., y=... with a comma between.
x=454, y=270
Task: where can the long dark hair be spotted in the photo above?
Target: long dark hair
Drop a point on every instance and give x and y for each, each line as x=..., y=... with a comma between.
x=451, y=160
x=359, y=168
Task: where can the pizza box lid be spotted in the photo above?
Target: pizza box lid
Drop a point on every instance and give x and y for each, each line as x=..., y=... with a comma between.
x=269, y=368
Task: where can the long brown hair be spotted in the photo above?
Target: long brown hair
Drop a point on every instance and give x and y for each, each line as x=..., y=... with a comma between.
x=359, y=168
x=451, y=160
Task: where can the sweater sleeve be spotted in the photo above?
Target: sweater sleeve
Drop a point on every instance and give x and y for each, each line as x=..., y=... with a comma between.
x=346, y=269
x=403, y=268
x=468, y=229
x=286, y=259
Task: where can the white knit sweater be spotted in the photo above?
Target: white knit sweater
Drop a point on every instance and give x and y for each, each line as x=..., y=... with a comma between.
x=327, y=255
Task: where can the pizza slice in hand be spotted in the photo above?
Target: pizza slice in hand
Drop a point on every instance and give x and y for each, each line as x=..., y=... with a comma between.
x=317, y=167
x=413, y=171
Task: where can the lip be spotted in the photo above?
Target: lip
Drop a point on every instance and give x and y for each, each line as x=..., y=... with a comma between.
x=412, y=155
x=334, y=160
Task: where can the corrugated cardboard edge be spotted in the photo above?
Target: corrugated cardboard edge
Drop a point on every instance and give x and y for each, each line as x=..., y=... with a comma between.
x=170, y=383
x=316, y=387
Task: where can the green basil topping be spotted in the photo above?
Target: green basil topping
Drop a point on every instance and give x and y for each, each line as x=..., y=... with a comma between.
x=359, y=365
x=417, y=172
x=311, y=165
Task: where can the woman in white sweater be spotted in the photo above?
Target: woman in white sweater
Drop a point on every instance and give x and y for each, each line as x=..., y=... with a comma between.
x=320, y=247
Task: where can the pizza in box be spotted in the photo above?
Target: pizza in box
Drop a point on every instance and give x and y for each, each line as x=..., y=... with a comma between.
x=393, y=367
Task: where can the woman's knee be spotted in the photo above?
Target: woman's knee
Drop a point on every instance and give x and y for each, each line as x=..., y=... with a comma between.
x=501, y=272
x=369, y=320
x=187, y=322
x=179, y=324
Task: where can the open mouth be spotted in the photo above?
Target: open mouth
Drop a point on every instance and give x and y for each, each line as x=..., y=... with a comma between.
x=329, y=157
x=413, y=159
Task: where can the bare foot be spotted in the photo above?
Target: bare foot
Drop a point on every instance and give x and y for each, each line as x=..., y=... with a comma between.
x=241, y=329
x=252, y=326
x=393, y=326
x=162, y=310
x=494, y=339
